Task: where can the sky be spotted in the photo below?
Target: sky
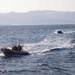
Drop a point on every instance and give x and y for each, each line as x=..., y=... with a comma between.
x=33, y=5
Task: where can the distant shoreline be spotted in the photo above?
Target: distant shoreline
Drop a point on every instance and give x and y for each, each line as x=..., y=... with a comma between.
x=45, y=17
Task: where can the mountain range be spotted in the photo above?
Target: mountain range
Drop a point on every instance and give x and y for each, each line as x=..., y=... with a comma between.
x=44, y=17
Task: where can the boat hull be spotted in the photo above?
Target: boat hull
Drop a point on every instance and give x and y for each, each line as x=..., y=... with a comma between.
x=8, y=52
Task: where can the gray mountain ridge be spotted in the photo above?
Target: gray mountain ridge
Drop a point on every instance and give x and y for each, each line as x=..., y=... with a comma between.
x=44, y=17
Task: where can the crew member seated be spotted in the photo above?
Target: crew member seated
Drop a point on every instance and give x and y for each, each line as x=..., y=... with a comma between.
x=14, y=48
x=17, y=48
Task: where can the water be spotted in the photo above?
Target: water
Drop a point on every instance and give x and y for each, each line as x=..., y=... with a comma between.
x=51, y=53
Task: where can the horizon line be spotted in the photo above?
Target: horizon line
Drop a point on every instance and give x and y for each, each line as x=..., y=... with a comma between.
x=36, y=10
x=36, y=24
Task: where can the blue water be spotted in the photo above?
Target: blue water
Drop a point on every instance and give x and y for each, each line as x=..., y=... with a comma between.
x=50, y=53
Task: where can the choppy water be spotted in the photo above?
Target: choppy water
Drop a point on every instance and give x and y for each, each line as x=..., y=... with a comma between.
x=51, y=53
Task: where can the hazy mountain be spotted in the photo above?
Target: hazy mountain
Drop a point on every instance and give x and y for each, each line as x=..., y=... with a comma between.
x=37, y=17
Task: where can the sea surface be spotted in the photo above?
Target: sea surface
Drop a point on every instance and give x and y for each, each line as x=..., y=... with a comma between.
x=50, y=53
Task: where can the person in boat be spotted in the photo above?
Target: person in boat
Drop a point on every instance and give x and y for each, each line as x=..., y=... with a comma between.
x=19, y=47
x=14, y=48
